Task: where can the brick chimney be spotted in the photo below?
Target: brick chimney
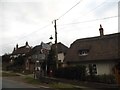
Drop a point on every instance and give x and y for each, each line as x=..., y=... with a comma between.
x=14, y=49
x=16, y=46
x=26, y=44
x=101, y=30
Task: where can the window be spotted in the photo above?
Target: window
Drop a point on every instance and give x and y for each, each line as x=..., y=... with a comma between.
x=59, y=60
x=27, y=65
x=83, y=52
x=92, y=69
x=95, y=68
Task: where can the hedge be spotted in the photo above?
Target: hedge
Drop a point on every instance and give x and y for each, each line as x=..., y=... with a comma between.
x=79, y=73
x=109, y=79
x=73, y=72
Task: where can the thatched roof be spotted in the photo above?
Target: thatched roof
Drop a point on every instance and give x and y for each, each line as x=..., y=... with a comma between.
x=99, y=48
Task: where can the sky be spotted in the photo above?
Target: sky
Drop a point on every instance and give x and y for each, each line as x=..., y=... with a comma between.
x=32, y=21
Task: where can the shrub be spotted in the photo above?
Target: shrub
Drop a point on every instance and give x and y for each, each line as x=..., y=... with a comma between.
x=108, y=79
x=73, y=72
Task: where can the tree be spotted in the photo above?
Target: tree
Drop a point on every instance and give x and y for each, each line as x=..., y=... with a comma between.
x=5, y=61
x=51, y=61
x=6, y=58
x=18, y=63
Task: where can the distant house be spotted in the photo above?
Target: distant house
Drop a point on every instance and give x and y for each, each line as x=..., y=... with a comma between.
x=33, y=56
x=61, y=50
x=37, y=55
x=101, y=52
x=17, y=57
x=23, y=50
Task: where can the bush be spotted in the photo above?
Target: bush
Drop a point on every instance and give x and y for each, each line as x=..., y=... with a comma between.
x=108, y=79
x=73, y=72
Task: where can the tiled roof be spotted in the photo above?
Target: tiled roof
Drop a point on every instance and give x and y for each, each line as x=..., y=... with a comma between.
x=22, y=50
x=61, y=48
x=37, y=49
x=34, y=50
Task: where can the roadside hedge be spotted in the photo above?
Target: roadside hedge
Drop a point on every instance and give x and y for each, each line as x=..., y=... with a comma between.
x=72, y=72
x=79, y=73
x=109, y=79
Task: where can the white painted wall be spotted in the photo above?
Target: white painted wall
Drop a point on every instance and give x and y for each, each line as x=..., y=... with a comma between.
x=105, y=68
x=61, y=56
x=102, y=67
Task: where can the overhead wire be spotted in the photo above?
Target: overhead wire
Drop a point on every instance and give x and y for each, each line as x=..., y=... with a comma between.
x=71, y=23
x=57, y=19
x=92, y=10
x=90, y=20
x=69, y=9
x=29, y=34
x=47, y=25
x=101, y=4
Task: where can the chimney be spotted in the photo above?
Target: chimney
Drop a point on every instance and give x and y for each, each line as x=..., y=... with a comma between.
x=26, y=43
x=101, y=30
x=14, y=49
x=16, y=46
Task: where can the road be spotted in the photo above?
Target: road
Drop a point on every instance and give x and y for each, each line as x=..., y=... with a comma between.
x=6, y=83
x=11, y=84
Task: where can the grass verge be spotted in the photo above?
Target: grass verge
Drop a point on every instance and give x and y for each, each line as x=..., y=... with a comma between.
x=32, y=80
x=51, y=84
x=61, y=85
x=5, y=74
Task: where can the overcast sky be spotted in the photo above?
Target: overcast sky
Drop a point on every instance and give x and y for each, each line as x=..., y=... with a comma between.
x=31, y=20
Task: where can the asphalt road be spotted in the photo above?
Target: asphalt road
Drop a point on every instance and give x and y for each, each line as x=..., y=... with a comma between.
x=8, y=84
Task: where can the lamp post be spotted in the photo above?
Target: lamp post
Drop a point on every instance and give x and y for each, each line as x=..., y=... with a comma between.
x=51, y=38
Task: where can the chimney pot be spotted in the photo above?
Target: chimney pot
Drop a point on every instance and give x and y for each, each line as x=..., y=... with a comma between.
x=101, y=30
x=17, y=46
x=26, y=44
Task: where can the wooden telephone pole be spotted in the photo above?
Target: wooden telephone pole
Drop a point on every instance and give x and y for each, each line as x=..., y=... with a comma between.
x=56, y=51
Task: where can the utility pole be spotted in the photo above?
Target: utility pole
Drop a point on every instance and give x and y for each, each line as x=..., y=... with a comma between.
x=56, y=52
x=55, y=32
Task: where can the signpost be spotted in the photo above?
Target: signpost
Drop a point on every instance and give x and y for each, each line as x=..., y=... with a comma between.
x=39, y=59
x=46, y=46
x=45, y=49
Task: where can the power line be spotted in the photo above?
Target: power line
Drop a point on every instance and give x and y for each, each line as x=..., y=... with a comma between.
x=29, y=34
x=92, y=10
x=70, y=23
x=90, y=20
x=70, y=9
x=37, y=30
x=96, y=7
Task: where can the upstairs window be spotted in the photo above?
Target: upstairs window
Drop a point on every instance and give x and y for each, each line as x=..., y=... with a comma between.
x=83, y=52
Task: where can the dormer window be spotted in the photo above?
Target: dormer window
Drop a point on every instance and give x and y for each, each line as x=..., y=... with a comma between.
x=83, y=52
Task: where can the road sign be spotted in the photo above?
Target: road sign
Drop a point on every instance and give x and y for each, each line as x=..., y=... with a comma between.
x=46, y=46
x=38, y=57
